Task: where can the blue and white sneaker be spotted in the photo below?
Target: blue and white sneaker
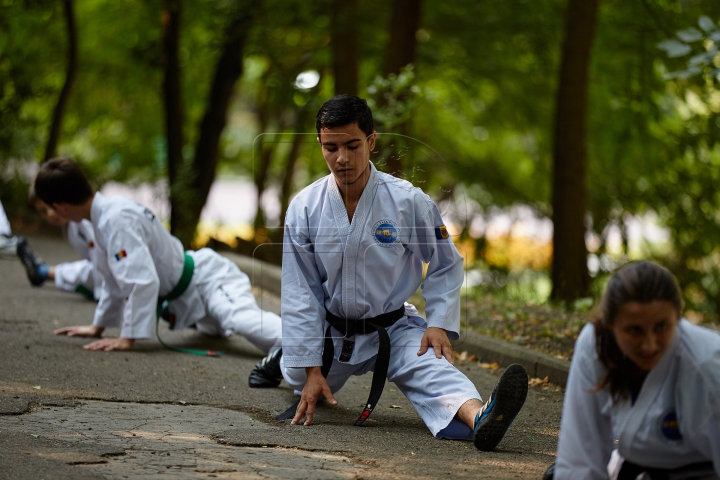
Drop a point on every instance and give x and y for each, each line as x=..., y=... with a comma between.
x=498, y=413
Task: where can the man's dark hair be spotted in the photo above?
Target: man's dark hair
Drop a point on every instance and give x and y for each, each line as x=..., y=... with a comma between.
x=60, y=180
x=343, y=110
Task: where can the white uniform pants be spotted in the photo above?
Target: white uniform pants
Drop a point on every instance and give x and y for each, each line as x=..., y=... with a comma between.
x=434, y=387
x=68, y=276
x=231, y=306
x=4, y=223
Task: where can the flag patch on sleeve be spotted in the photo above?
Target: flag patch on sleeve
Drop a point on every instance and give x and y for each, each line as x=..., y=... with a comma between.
x=441, y=232
x=120, y=255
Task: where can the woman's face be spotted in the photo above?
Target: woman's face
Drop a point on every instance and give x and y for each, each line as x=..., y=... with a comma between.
x=644, y=331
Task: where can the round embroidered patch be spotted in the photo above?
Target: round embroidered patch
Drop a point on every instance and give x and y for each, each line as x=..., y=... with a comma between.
x=669, y=427
x=385, y=233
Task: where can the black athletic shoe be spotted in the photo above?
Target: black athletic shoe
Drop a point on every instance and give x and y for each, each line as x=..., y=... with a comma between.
x=506, y=400
x=267, y=374
x=31, y=262
x=549, y=473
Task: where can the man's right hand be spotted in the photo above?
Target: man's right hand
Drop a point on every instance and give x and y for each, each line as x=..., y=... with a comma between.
x=315, y=387
x=80, y=331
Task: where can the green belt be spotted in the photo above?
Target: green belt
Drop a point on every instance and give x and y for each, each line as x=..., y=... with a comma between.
x=176, y=292
x=84, y=291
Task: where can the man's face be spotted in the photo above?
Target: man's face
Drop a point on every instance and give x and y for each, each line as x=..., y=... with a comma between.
x=49, y=214
x=346, y=151
x=68, y=212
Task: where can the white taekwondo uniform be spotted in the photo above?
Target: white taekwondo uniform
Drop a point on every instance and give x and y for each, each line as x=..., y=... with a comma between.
x=675, y=420
x=364, y=269
x=73, y=276
x=141, y=261
x=4, y=223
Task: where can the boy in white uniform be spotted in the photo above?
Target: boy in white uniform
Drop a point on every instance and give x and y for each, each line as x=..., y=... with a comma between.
x=644, y=376
x=78, y=276
x=355, y=242
x=142, y=264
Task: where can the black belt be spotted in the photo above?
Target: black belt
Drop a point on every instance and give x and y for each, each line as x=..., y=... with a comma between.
x=630, y=471
x=348, y=328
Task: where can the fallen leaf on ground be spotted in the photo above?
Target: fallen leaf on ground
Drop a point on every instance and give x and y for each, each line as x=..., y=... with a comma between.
x=489, y=366
x=463, y=357
x=536, y=382
x=37, y=387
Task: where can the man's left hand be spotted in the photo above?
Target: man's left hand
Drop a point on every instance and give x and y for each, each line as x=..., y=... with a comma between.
x=108, y=344
x=437, y=339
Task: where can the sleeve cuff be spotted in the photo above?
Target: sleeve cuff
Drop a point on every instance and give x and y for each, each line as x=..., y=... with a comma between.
x=107, y=321
x=303, y=361
x=452, y=329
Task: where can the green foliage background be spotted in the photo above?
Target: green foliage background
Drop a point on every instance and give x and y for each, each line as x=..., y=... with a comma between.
x=482, y=95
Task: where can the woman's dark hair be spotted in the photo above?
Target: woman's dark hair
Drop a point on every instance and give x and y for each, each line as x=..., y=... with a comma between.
x=343, y=110
x=642, y=282
x=60, y=180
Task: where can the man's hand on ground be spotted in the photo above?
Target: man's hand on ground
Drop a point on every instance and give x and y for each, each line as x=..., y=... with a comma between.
x=315, y=387
x=437, y=339
x=108, y=344
x=80, y=331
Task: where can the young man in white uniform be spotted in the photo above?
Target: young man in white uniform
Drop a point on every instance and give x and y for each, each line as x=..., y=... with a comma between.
x=355, y=243
x=79, y=276
x=141, y=262
x=668, y=424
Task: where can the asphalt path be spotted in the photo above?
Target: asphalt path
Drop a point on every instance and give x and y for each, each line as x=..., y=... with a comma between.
x=151, y=412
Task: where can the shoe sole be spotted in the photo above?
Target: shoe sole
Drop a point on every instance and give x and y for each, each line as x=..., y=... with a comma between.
x=509, y=396
x=30, y=261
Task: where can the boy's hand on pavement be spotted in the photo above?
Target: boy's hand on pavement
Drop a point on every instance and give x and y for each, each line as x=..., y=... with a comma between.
x=315, y=387
x=80, y=331
x=108, y=344
x=437, y=339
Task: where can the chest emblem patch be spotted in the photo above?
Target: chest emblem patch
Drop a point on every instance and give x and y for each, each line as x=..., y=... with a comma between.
x=120, y=255
x=386, y=233
x=669, y=427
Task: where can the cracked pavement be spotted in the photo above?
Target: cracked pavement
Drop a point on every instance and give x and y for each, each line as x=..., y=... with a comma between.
x=151, y=412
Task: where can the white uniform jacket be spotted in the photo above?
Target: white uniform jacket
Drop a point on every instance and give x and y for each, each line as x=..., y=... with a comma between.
x=139, y=261
x=81, y=272
x=675, y=420
x=365, y=268
x=81, y=236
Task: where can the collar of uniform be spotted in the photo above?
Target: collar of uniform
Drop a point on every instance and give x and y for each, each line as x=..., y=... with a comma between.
x=337, y=202
x=96, y=207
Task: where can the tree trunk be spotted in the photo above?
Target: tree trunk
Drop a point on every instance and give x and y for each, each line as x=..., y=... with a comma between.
x=569, y=270
x=227, y=72
x=262, y=168
x=404, y=24
x=172, y=96
x=59, y=113
x=345, y=46
x=401, y=51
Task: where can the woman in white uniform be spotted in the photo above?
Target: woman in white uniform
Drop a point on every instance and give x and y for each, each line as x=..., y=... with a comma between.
x=644, y=385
